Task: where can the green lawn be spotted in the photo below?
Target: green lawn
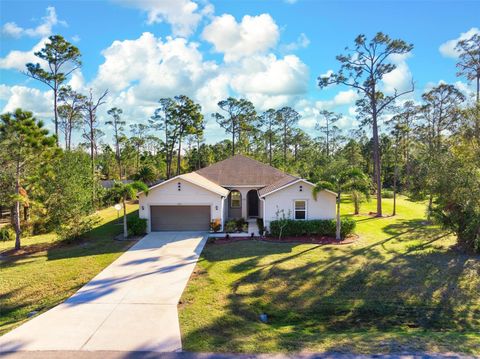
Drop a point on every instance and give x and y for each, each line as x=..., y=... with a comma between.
x=400, y=287
x=48, y=271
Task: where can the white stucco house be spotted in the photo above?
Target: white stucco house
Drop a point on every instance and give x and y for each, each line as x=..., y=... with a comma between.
x=236, y=187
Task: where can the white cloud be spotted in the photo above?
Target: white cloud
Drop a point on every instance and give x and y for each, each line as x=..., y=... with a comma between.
x=399, y=79
x=447, y=49
x=30, y=99
x=302, y=42
x=290, y=1
x=42, y=30
x=253, y=35
x=75, y=38
x=345, y=97
x=182, y=15
x=159, y=68
x=16, y=60
x=271, y=76
x=342, y=98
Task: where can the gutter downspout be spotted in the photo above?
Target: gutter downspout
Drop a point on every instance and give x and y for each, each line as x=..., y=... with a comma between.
x=221, y=212
x=263, y=210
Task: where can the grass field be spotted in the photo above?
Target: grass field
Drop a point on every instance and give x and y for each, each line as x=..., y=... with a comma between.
x=48, y=271
x=401, y=287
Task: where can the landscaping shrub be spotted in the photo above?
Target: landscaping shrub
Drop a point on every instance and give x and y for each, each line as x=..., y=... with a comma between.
x=347, y=226
x=136, y=226
x=231, y=226
x=75, y=229
x=215, y=225
x=241, y=222
x=7, y=234
x=320, y=227
x=386, y=193
x=261, y=226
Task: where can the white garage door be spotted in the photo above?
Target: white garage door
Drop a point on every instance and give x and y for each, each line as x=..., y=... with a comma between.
x=180, y=218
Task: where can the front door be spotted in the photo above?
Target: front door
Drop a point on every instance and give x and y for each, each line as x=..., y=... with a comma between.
x=252, y=203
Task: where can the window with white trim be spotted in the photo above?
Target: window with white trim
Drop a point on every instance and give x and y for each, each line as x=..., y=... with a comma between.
x=235, y=199
x=300, y=210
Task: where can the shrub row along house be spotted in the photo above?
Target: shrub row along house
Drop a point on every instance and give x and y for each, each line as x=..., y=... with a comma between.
x=238, y=187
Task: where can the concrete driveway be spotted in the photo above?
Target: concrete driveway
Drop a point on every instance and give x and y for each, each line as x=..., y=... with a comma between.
x=130, y=306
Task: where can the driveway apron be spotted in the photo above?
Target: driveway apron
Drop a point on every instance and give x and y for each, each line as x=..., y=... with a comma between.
x=130, y=306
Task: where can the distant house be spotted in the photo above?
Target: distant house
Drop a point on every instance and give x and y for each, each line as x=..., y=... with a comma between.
x=107, y=184
x=236, y=187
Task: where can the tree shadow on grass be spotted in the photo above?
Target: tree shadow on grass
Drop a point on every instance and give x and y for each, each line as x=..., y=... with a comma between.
x=408, y=281
x=99, y=240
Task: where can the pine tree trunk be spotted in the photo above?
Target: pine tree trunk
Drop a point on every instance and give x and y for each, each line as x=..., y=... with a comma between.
x=55, y=111
x=270, y=140
x=430, y=204
x=16, y=210
x=178, y=154
x=125, y=229
x=376, y=160
x=338, y=231
x=395, y=193
x=92, y=159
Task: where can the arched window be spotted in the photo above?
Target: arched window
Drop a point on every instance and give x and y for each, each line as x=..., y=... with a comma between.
x=235, y=199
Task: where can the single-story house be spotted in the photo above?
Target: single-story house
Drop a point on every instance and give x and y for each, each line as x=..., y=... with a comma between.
x=236, y=187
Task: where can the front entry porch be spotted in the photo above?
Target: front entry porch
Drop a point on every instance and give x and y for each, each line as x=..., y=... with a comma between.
x=244, y=203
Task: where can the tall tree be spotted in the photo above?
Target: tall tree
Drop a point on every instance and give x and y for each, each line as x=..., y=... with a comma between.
x=60, y=56
x=163, y=120
x=328, y=128
x=363, y=69
x=239, y=115
x=469, y=60
x=440, y=113
x=117, y=123
x=90, y=108
x=403, y=123
x=189, y=119
x=70, y=112
x=24, y=143
x=287, y=118
x=268, y=121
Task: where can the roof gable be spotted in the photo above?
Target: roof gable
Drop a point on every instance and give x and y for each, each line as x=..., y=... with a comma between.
x=197, y=180
x=240, y=170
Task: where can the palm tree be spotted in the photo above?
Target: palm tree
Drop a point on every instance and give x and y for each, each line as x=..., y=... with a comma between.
x=146, y=173
x=345, y=181
x=123, y=192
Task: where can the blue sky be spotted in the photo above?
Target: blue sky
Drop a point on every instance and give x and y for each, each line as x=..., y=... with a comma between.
x=268, y=51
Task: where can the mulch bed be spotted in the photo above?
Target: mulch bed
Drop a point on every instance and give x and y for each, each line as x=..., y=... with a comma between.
x=301, y=240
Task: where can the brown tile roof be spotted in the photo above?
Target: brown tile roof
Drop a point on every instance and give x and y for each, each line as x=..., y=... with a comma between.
x=240, y=170
x=276, y=185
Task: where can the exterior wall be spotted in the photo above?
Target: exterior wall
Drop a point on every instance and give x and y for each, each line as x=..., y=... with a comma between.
x=284, y=199
x=243, y=191
x=168, y=194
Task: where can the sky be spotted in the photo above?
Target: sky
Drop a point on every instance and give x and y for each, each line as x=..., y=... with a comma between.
x=270, y=52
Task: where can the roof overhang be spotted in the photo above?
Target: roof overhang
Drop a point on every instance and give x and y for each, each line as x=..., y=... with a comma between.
x=196, y=180
x=294, y=182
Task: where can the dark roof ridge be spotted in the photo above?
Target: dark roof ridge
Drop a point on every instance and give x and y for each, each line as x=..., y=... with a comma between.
x=242, y=170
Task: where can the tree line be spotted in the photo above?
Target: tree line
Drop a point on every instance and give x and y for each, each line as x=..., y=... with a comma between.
x=427, y=149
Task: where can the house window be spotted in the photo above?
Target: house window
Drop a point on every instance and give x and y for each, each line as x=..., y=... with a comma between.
x=235, y=199
x=300, y=210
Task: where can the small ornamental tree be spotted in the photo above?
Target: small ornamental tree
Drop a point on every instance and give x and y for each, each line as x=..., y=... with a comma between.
x=345, y=181
x=122, y=192
x=24, y=145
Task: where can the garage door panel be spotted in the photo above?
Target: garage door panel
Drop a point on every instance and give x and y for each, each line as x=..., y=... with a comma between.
x=180, y=218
